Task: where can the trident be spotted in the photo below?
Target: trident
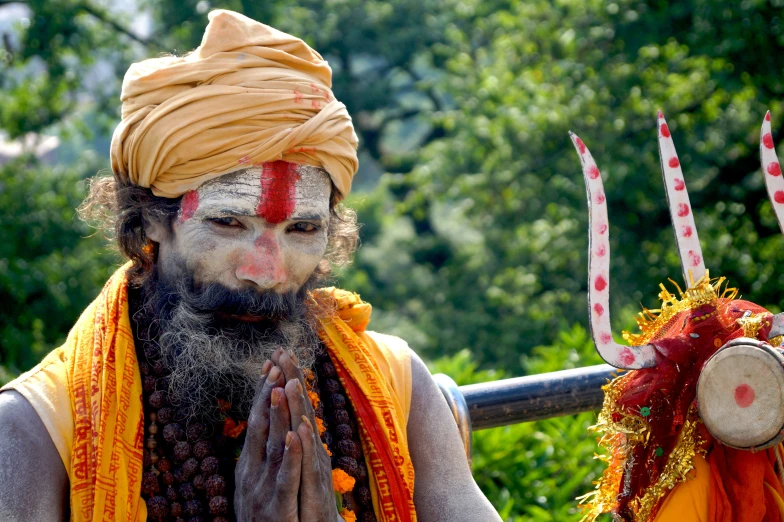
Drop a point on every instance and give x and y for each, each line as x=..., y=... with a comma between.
x=534, y=397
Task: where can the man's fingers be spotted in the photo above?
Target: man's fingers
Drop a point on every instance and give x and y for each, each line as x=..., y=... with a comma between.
x=311, y=472
x=298, y=403
x=289, y=364
x=287, y=483
x=280, y=424
x=258, y=420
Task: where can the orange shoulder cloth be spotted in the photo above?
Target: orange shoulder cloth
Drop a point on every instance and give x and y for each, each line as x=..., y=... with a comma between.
x=99, y=363
x=382, y=418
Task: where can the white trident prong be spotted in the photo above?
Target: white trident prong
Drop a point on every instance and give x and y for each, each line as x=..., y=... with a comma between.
x=771, y=169
x=680, y=208
x=626, y=357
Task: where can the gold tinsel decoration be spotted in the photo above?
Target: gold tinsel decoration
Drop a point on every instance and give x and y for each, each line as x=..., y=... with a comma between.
x=752, y=324
x=619, y=438
x=702, y=292
x=679, y=463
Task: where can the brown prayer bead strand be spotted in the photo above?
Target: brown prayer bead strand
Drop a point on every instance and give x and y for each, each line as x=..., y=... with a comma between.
x=177, y=498
x=157, y=509
x=173, y=502
x=155, y=490
x=345, y=445
x=350, y=503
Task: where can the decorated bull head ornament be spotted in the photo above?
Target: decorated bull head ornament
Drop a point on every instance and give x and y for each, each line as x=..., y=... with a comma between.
x=708, y=379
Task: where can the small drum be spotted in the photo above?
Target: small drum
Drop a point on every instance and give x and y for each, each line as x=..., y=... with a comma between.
x=740, y=394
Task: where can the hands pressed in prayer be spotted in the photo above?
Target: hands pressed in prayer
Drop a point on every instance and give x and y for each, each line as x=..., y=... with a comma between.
x=284, y=473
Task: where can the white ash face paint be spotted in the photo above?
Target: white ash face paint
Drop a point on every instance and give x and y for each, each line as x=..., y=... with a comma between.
x=264, y=226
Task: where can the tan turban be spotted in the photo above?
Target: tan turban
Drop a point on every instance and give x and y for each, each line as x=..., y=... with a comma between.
x=248, y=94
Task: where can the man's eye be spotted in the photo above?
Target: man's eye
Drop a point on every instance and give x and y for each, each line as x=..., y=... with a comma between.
x=306, y=228
x=225, y=222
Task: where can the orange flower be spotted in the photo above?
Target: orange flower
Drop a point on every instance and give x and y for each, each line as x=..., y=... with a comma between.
x=342, y=482
x=233, y=429
x=348, y=515
x=321, y=427
x=224, y=405
x=314, y=399
x=326, y=448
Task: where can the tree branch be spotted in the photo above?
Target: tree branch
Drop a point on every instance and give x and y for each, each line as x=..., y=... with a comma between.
x=429, y=92
x=104, y=17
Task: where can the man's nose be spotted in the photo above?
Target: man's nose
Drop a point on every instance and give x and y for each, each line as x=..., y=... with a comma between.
x=263, y=263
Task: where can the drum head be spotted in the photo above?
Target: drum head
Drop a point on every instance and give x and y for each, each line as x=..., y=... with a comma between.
x=740, y=395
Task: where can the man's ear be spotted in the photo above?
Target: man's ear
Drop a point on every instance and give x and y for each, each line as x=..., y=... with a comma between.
x=154, y=228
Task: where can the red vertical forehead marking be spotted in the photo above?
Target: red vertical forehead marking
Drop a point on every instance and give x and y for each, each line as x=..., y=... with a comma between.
x=278, y=191
x=189, y=205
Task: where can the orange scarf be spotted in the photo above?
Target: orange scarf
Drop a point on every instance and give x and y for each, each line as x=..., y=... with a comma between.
x=106, y=399
x=105, y=390
x=392, y=476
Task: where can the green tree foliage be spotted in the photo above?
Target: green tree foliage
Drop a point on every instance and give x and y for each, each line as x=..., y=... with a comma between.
x=493, y=218
x=534, y=471
x=49, y=267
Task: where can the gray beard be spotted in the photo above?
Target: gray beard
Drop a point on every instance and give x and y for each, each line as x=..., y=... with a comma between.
x=210, y=358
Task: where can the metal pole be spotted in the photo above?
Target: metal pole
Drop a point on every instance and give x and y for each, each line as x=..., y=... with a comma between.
x=522, y=399
x=535, y=397
x=459, y=408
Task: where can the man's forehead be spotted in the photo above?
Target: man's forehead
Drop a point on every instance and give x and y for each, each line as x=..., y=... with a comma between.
x=273, y=190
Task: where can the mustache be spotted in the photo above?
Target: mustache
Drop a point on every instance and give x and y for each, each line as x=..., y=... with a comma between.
x=216, y=298
x=220, y=302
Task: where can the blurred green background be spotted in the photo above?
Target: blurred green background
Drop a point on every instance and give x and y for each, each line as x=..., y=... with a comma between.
x=473, y=204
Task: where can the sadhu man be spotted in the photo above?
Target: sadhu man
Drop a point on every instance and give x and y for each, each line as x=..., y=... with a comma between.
x=212, y=379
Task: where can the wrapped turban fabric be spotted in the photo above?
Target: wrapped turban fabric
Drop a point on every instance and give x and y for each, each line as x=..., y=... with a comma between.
x=248, y=94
